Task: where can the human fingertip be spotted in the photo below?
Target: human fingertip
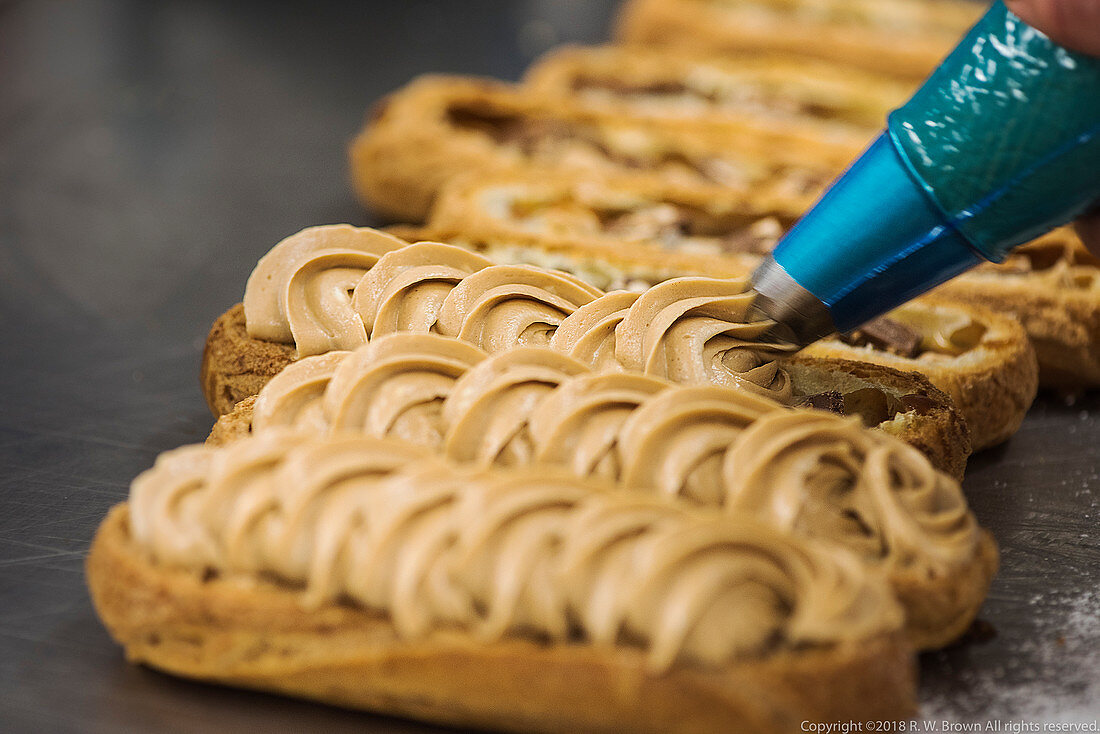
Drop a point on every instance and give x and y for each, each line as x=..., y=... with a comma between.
x=1074, y=24
x=1088, y=229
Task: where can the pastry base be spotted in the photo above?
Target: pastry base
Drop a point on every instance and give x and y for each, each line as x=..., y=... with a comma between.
x=939, y=609
x=992, y=384
x=235, y=366
x=254, y=634
x=724, y=28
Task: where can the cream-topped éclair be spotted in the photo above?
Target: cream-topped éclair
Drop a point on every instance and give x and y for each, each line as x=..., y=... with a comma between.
x=788, y=467
x=382, y=525
x=630, y=234
x=337, y=287
x=300, y=292
x=808, y=472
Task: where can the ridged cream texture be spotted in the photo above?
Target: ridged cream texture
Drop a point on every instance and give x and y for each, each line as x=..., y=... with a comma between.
x=337, y=287
x=433, y=546
x=810, y=472
x=553, y=210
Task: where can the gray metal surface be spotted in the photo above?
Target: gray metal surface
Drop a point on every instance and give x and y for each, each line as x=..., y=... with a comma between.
x=150, y=152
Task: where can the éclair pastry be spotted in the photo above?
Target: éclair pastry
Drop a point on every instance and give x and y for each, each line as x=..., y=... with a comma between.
x=709, y=445
x=335, y=287
x=905, y=38
x=1052, y=287
x=621, y=232
x=784, y=91
x=650, y=232
x=366, y=573
x=438, y=127
x=981, y=358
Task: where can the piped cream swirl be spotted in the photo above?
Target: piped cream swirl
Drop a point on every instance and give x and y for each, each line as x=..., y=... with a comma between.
x=406, y=289
x=809, y=472
x=505, y=306
x=828, y=477
x=699, y=331
x=301, y=291
x=382, y=525
x=589, y=334
x=337, y=287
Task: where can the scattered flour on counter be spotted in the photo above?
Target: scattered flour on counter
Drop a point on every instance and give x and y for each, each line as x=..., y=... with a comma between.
x=1054, y=674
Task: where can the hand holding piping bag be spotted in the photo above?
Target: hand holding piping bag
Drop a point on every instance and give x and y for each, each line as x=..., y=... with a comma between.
x=1000, y=145
x=1074, y=24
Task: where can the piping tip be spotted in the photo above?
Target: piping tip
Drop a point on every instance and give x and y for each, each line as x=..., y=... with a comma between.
x=776, y=337
x=799, y=317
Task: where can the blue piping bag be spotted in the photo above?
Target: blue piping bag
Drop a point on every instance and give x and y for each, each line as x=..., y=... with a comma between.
x=1000, y=145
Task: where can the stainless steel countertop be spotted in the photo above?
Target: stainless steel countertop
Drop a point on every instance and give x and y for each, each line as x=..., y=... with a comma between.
x=150, y=152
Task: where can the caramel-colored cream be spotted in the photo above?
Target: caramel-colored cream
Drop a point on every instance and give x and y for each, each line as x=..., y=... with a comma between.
x=301, y=291
x=700, y=331
x=385, y=526
x=335, y=288
x=809, y=472
x=828, y=477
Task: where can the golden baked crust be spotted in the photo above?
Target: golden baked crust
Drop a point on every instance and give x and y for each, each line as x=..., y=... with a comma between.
x=610, y=231
x=908, y=51
x=783, y=90
x=904, y=404
x=255, y=634
x=992, y=383
x=933, y=425
x=438, y=127
x=1052, y=287
x=234, y=365
x=602, y=228
x=410, y=232
x=234, y=424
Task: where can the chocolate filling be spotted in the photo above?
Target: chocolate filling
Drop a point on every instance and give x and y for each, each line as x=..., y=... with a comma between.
x=832, y=401
x=887, y=335
x=649, y=89
x=871, y=405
